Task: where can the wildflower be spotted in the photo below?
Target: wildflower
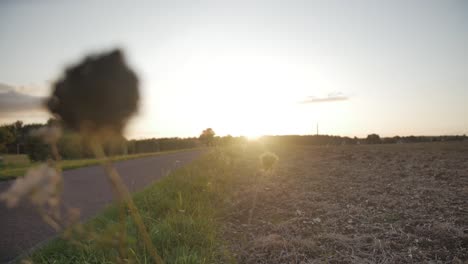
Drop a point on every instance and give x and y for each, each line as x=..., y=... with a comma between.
x=268, y=160
x=39, y=184
x=100, y=93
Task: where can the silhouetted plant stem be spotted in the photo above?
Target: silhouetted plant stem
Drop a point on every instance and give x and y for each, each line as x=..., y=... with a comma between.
x=56, y=155
x=124, y=195
x=51, y=216
x=49, y=220
x=56, y=164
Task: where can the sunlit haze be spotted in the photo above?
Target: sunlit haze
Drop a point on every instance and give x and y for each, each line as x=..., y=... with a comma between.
x=256, y=67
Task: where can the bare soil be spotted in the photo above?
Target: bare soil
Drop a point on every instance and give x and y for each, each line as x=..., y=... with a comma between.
x=403, y=203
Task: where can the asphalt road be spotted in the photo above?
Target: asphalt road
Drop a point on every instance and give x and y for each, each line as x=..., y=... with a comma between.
x=86, y=188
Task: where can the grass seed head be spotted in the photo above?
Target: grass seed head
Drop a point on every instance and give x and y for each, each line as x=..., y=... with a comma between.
x=100, y=93
x=49, y=134
x=39, y=185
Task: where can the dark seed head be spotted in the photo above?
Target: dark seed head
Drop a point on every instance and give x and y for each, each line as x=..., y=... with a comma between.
x=99, y=93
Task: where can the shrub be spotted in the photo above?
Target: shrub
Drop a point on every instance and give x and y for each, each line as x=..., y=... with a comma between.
x=373, y=139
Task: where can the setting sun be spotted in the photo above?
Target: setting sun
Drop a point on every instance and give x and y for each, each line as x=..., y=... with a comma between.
x=246, y=94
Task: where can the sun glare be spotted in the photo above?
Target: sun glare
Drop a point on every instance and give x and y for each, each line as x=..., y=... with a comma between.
x=246, y=95
x=253, y=137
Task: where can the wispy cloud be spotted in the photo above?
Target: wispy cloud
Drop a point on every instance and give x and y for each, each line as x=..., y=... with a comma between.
x=13, y=101
x=331, y=97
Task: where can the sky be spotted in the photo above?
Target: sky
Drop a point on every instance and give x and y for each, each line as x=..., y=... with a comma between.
x=252, y=67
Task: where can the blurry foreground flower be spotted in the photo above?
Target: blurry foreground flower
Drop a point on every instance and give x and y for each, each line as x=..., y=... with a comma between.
x=40, y=185
x=268, y=160
x=96, y=98
x=98, y=94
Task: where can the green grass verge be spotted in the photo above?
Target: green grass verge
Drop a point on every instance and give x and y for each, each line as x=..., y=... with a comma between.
x=16, y=170
x=15, y=159
x=182, y=213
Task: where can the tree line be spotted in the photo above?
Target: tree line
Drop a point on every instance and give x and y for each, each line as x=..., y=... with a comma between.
x=18, y=138
x=370, y=139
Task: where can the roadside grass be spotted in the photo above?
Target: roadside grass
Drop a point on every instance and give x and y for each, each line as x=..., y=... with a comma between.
x=182, y=213
x=17, y=165
x=15, y=160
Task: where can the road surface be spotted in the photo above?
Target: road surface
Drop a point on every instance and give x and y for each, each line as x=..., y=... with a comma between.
x=86, y=188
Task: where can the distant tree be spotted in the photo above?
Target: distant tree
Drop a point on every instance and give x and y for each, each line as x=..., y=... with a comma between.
x=18, y=125
x=6, y=137
x=131, y=146
x=36, y=149
x=373, y=139
x=207, y=136
x=19, y=137
x=34, y=146
x=116, y=146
